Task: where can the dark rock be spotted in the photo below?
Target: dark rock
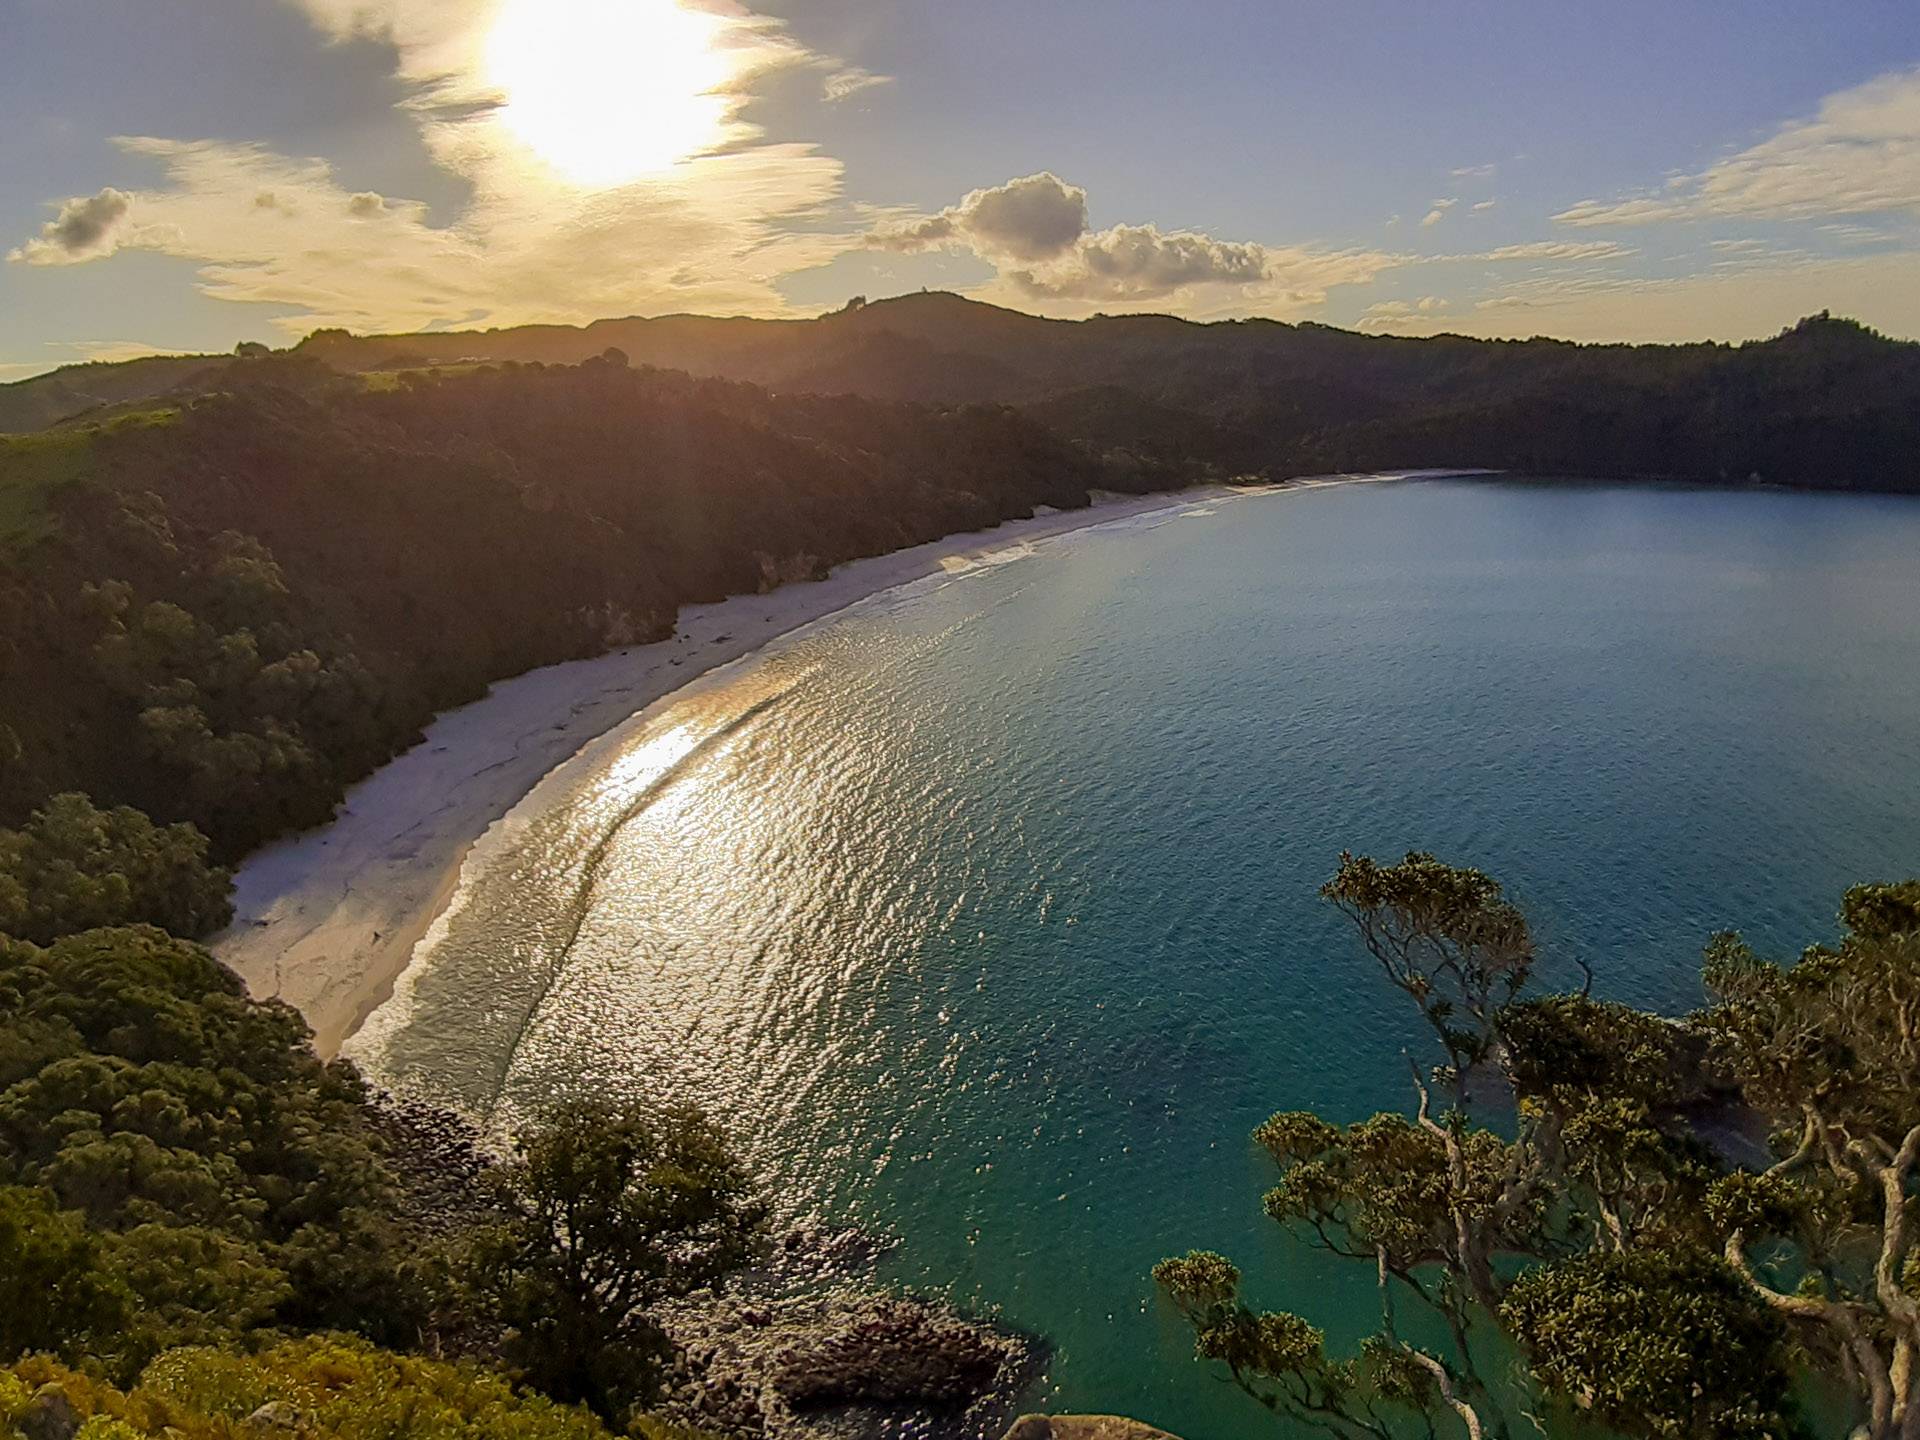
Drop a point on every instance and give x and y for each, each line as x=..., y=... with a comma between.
x=894, y=1352
x=1082, y=1427
x=49, y=1415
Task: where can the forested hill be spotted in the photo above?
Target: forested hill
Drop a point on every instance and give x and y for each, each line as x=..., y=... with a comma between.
x=228, y=587
x=226, y=607
x=1828, y=403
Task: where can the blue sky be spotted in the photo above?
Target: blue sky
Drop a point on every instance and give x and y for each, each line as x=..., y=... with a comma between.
x=184, y=174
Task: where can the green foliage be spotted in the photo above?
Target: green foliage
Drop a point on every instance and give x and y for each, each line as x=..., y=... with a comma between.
x=57, y=1292
x=1881, y=912
x=611, y=1212
x=1644, y=1280
x=1671, y=1345
x=255, y=605
x=73, y=867
x=1555, y=1044
x=325, y=1387
x=1442, y=934
x=1388, y=1184
x=228, y=1181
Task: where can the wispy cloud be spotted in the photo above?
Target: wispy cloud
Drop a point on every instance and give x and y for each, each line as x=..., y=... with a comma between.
x=1439, y=211
x=1475, y=172
x=1859, y=155
x=1755, y=298
x=850, y=80
x=1557, y=250
x=1404, y=314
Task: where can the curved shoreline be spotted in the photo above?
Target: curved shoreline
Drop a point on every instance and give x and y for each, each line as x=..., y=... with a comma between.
x=329, y=920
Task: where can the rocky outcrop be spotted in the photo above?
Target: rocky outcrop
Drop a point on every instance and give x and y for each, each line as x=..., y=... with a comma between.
x=49, y=1416
x=894, y=1352
x=1082, y=1427
x=813, y=1348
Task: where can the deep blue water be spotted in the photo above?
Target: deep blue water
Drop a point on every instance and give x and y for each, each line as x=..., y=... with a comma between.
x=986, y=914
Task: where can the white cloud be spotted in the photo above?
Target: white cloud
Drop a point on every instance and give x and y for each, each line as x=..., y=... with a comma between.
x=1035, y=217
x=1035, y=232
x=1139, y=262
x=1843, y=234
x=1474, y=172
x=1485, y=205
x=87, y=227
x=1859, y=155
x=1439, y=210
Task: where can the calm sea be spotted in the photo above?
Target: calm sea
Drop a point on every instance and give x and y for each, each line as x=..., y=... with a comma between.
x=985, y=913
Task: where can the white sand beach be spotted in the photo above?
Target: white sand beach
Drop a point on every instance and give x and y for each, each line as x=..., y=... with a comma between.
x=328, y=920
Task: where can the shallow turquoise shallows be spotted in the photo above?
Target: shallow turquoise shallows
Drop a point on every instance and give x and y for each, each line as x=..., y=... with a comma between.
x=985, y=913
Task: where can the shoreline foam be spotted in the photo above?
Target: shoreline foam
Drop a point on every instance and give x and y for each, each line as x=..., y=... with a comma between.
x=329, y=920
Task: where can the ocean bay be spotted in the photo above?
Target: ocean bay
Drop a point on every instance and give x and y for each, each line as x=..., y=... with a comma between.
x=985, y=914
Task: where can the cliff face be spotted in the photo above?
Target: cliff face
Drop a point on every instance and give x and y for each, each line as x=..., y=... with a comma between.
x=1083, y=1427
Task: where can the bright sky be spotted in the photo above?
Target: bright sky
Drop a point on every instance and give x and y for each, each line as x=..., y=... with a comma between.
x=185, y=174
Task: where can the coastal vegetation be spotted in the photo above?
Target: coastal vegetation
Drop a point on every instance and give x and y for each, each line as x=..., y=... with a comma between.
x=224, y=620
x=184, y=1186
x=1582, y=1196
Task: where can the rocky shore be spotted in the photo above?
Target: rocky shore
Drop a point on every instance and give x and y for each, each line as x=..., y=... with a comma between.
x=812, y=1348
x=1083, y=1427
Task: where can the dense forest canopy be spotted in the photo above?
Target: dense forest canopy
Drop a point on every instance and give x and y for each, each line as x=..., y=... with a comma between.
x=223, y=610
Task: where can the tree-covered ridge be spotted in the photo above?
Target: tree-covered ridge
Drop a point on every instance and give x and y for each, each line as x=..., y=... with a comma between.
x=229, y=617
x=1636, y=1273
x=1827, y=403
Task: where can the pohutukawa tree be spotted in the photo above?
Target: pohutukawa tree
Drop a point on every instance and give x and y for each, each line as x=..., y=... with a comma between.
x=1595, y=1248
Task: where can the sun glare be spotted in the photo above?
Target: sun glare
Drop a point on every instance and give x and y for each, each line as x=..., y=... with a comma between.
x=607, y=91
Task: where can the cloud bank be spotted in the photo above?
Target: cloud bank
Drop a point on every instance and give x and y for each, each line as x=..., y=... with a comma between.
x=1036, y=233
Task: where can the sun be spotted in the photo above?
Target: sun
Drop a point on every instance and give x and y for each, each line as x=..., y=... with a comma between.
x=605, y=92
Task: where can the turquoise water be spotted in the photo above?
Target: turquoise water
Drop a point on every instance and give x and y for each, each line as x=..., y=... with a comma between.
x=985, y=914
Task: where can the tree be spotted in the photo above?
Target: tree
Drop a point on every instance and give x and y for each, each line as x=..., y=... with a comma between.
x=1663, y=1342
x=1443, y=935
x=74, y=867
x=1589, y=1228
x=611, y=1212
x=326, y=1387
x=1828, y=1050
x=230, y=1182
x=57, y=1293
